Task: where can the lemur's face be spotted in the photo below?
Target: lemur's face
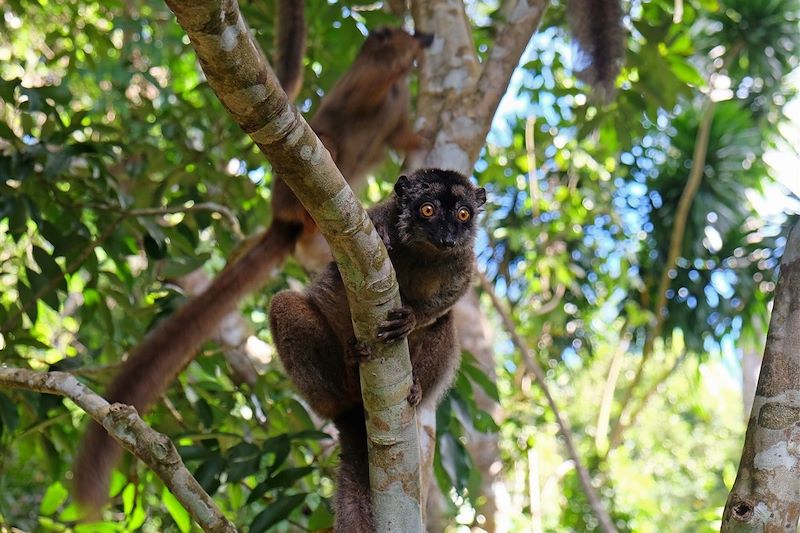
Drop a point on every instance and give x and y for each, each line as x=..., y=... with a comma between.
x=397, y=47
x=438, y=209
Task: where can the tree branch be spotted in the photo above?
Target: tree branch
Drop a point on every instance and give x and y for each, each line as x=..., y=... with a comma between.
x=533, y=367
x=241, y=77
x=607, y=398
x=123, y=423
x=530, y=152
x=520, y=20
x=448, y=75
x=458, y=99
x=616, y=435
x=204, y=206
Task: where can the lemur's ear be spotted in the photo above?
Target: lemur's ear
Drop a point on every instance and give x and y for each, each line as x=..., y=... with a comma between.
x=401, y=187
x=480, y=196
x=382, y=33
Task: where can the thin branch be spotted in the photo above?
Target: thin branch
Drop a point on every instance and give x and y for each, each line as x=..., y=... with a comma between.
x=606, y=524
x=616, y=435
x=214, y=207
x=675, y=246
x=457, y=98
x=123, y=423
x=530, y=151
x=552, y=303
x=607, y=399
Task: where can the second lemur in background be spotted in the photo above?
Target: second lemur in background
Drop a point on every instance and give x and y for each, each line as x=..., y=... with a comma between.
x=358, y=119
x=428, y=226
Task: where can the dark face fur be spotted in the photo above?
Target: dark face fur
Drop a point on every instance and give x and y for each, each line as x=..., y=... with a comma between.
x=395, y=45
x=438, y=210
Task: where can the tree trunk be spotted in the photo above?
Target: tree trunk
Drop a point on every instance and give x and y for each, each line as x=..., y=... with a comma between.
x=457, y=100
x=766, y=494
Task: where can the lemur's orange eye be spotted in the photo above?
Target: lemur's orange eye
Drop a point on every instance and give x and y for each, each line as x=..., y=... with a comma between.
x=427, y=210
x=463, y=214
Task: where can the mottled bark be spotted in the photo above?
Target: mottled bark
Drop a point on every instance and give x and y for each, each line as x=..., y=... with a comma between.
x=458, y=95
x=766, y=494
x=239, y=74
x=123, y=423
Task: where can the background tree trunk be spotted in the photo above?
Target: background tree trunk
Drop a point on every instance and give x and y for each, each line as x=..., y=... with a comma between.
x=766, y=494
x=457, y=101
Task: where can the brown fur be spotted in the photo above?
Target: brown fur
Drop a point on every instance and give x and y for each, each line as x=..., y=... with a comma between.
x=598, y=31
x=314, y=336
x=365, y=111
x=290, y=45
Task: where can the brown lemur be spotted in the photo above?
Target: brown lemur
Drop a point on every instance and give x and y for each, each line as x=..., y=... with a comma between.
x=365, y=112
x=428, y=226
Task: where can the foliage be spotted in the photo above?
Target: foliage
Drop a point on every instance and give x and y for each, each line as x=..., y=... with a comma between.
x=110, y=139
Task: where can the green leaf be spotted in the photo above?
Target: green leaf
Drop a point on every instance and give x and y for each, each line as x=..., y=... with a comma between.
x=321, y=518
x=71, y=513
x=283, y=479
x=276, y=512
x=484, y=423
x=8, y=412
x=176, y=511
x=309, y=434
x=155, y=249
x=7, y=89
x=55, y=495
x=243, y=460
x=137, y=519
x=685, y=71
x=42, y=286
x=46, y=263
x=28, y=299
x=128, y=498
x=193, y=452
x=279, y=447
x=98, y=527
x=207, y=474
x=477, y=376
x=204, y=412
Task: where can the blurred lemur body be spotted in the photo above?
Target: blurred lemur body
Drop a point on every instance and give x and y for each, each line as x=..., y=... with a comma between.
x=365, y=113
x=428, y=226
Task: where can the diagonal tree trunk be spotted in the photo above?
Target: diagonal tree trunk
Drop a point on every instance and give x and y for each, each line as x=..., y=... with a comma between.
x=239, y=74
x=766, y=494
